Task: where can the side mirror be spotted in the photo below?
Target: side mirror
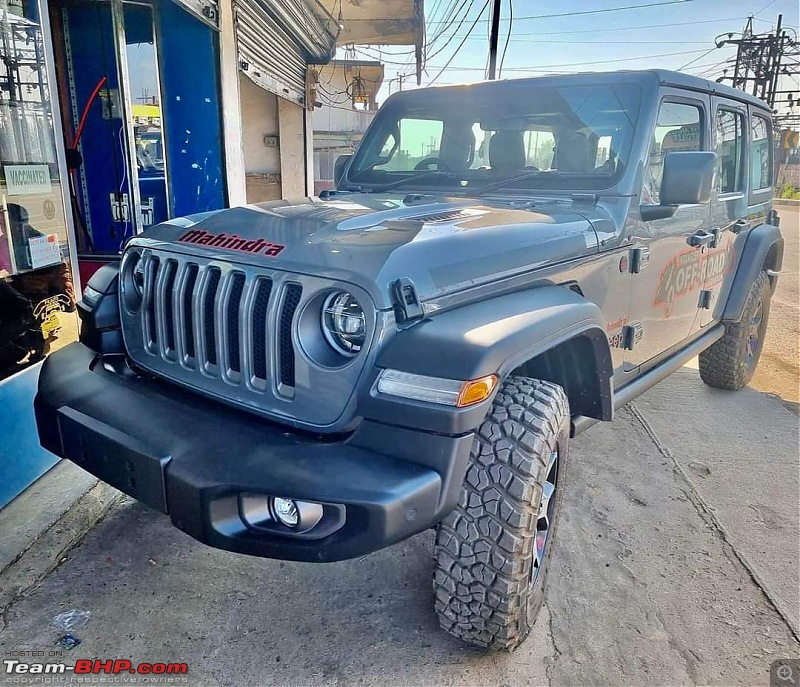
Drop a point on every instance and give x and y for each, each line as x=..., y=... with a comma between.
x=687, y=179
x=339, y=168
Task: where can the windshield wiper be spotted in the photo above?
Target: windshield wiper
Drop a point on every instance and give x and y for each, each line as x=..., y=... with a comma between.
x=511, y=180
x=408, y=180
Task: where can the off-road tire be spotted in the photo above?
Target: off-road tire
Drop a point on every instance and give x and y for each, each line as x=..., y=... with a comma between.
x=485, y=546
x=725, y=364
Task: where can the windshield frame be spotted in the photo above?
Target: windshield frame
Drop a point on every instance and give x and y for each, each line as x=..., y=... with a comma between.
x=431, y=103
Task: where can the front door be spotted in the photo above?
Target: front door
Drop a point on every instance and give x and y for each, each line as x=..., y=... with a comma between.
x=665, y=291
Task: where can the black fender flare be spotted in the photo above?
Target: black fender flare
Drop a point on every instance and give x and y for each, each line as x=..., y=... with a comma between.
x=499, y=334
x=760, y=241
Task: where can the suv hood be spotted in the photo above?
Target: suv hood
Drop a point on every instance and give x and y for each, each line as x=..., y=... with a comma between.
x=442, y=244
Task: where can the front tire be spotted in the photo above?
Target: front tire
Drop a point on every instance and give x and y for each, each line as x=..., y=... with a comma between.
x=493, y=550
x=730, y=362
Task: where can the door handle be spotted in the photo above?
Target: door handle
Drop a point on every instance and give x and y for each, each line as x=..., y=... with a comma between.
x=701, y=238
x=740, y=225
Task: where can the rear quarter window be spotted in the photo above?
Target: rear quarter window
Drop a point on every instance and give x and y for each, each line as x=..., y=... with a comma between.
x=760, y=153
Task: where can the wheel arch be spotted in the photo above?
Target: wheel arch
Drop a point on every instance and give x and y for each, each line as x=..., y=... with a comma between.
x=763, y=250
x=582, y=366
x=551, y=330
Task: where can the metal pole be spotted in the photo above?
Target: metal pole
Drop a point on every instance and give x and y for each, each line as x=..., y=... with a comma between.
x=494, y=39
x=777, y=53
x=126, y=103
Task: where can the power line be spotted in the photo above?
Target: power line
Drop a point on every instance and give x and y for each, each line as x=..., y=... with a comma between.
x=697, y=59
x=636, y=27
x=451, y=13
x=508, y=36
x=453, y=35
x=600, y=11
x=540, y=67
x=461, y=44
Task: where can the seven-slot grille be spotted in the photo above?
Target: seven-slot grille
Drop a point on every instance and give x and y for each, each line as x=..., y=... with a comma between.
x=217, y=323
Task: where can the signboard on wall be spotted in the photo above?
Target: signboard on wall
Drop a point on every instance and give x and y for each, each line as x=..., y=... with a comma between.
x=44, y=251
x=27, y=179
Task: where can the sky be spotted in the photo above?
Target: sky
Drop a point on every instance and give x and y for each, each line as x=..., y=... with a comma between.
x=669, y=34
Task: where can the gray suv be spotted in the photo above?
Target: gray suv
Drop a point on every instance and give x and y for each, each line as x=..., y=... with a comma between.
x=501, y=265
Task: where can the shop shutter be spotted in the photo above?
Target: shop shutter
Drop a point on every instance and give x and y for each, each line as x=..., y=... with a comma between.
x=267, y=54
x=205, y=10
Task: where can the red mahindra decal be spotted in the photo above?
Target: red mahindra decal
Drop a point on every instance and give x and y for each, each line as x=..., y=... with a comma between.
x=232, y=242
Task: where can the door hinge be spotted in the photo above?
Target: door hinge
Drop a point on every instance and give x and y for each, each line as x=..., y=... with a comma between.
x=407, y=307
x=640, y=258
x=706, y=296
x=632, y=335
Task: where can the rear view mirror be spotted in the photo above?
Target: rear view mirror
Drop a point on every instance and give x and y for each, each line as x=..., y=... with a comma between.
x=339, y=168
x=687, y=179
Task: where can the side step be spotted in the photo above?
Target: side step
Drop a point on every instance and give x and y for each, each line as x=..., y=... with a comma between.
x=627, y=393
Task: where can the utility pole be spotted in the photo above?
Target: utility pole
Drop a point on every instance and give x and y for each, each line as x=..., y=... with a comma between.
x=761, y=61
x=494, y=39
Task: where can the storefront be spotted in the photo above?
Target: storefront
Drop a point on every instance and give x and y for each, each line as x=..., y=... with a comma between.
x=37, y=253
x=119, y=114
x=110, y=121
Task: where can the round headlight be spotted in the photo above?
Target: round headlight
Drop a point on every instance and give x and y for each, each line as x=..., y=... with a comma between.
x=137, y=275
x=132, y=279
x=343, y=323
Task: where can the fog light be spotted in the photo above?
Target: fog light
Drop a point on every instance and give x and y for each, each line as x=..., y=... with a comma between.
x=286, y=511
x=276, y=513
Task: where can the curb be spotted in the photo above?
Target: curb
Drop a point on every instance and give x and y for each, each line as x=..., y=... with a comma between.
x=43, y=546
x=786, y=202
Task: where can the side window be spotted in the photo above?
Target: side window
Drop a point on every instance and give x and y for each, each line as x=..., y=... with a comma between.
x=730, y=151
x=760, y=153
x=418, y=139
x=679, y=127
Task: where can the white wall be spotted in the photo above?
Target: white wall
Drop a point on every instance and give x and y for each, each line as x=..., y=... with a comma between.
x=273, y=142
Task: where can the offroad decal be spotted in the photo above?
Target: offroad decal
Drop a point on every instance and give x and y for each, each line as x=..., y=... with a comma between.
x=231, y=242
x=615, y=334
x=688, y=270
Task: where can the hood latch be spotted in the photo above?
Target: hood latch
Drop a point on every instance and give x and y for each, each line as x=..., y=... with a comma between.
x=407, y=307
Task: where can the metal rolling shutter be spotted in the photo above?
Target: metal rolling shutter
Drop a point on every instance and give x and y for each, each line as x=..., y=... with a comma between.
x=267, y=54
x=205, y=10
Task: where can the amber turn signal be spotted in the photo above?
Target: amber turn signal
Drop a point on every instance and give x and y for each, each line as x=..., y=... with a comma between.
x=476, y=390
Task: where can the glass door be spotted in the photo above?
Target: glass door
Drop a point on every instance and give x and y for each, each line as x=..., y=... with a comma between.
x=143, y=87
x=37, y=297
x=115, y=122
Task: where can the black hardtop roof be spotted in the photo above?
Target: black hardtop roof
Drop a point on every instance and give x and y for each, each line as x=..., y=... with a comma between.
x=663, y=77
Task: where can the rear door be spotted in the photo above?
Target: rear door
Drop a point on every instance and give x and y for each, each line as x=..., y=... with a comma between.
x=729, y=207
x=665, y=291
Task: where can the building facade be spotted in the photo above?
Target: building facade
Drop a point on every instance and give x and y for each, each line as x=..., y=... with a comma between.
x=116, y=115
x=346, y=94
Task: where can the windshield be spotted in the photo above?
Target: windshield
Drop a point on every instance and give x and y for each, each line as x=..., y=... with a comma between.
x=560, y=138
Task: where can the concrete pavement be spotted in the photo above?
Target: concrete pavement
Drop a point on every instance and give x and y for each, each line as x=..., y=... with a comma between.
x=675, y=563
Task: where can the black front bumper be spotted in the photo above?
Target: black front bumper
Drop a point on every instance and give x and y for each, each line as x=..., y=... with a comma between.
x=191, y=458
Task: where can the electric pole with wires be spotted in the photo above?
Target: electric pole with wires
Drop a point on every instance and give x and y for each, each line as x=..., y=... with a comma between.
x=763, y=62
